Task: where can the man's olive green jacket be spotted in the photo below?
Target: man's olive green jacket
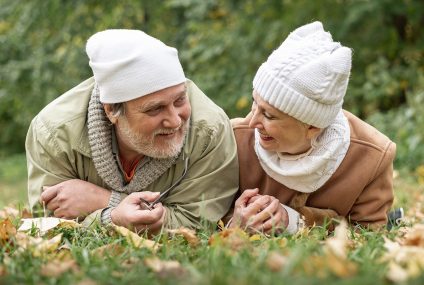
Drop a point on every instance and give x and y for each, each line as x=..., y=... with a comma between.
x=57, y=150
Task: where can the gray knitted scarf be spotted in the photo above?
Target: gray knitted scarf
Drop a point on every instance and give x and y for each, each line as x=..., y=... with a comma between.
x=100, y=140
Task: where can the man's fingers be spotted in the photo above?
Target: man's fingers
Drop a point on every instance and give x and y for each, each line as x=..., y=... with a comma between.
x=48, y=193
x=146, y=195
x=146, y=217
x=245, y=196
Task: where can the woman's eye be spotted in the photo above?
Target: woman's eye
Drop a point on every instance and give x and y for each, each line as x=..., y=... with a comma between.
x=268, y=116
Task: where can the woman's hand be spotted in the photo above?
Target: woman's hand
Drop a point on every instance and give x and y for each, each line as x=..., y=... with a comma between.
x=255, y=212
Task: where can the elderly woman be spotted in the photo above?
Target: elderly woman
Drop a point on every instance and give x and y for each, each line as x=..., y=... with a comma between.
x=304, y=160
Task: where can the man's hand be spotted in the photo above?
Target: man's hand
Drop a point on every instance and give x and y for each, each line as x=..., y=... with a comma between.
x=131, y=214
x=74, y=198
x=256, y=212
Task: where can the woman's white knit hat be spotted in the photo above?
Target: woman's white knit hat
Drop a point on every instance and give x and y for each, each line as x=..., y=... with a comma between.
x=128, y=64
x=307, y=76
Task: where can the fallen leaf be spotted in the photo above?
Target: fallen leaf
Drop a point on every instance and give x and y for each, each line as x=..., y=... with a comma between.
x=136, y=240
x=37, y=246
x=189, y=235
x=165, y=268
x=337, y=244
x=275, y=261
x=110, y=249
x=87, y=282
x=405, y=261
x=233, y=238
x=9, y=212
x=221, y=225
x=56, y=268
x=255, y=237
x=46, y=224
x=335, y=252
x=415, y=236
x=7, y=230
x=3, y=271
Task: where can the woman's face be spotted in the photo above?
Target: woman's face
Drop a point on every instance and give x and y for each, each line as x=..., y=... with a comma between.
x=278, y=131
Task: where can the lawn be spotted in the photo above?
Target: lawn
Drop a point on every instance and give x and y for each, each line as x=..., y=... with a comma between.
x=65, y=253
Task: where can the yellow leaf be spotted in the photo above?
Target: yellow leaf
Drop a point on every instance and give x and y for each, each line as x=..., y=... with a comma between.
x=188, y=234
x=108, y=249
x=221, y=225
x=233, y=238
x=165, y=268
x=255, y=237
x=136, y=240
x=275, y=261
x=56, y=268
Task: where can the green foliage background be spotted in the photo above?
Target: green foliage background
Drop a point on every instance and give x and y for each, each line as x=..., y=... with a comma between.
x=221, y=44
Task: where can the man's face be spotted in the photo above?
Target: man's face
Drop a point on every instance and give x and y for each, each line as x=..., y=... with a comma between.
x=154, y=125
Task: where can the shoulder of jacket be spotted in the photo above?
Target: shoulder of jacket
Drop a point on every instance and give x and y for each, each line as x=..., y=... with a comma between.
x=364, y=134
x=64, y=119
x=204, y=112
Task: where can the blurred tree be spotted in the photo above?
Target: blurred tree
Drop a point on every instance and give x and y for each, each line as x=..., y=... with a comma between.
x=221, y=44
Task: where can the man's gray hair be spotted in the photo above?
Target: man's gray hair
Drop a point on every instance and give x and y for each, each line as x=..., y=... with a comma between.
x=117, y=109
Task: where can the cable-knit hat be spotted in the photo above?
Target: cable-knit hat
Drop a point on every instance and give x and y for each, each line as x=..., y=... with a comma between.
x=128, y=64
x=307, y=76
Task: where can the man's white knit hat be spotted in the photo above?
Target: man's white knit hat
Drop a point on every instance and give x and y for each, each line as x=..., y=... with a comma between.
x=307, y=76
x=128, y=64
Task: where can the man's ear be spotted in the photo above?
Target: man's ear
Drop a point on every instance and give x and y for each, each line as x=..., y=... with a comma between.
x=108, y=110
x=313, y=132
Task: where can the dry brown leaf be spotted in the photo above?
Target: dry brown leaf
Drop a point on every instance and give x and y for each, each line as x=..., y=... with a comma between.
x=189, y=235
x=108, y=249
x=275, y=261
x=234, y=238
x=165, y=268
x=56, y=268
x=9, y=213
x=335, y=252
x=3, y=271
x=405, y=261
x=38, y=246
x=415, y=236
x=337, y=244
x=7, y=230
x=341, y=267
x=136, y=240
x=87, y=282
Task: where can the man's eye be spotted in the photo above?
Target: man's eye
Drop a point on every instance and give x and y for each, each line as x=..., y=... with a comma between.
x=154, y=111
x=180, y=101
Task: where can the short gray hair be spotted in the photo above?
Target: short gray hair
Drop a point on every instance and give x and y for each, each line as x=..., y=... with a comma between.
x=117, y=109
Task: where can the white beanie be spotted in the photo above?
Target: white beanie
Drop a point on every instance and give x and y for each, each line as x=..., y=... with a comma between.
x=128, y=64
x=307, y=76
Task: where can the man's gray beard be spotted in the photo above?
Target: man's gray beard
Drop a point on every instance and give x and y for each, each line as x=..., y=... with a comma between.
x=145, y=145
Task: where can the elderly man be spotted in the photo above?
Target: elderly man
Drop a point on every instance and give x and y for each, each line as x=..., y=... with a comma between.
x=137, y=145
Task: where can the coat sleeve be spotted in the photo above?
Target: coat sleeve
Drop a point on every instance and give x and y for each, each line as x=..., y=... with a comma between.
x=371, y=207
x=206, y=193
x=47, y=164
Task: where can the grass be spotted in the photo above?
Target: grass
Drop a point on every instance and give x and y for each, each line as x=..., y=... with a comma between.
x=103, y=256
x=13, y=180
